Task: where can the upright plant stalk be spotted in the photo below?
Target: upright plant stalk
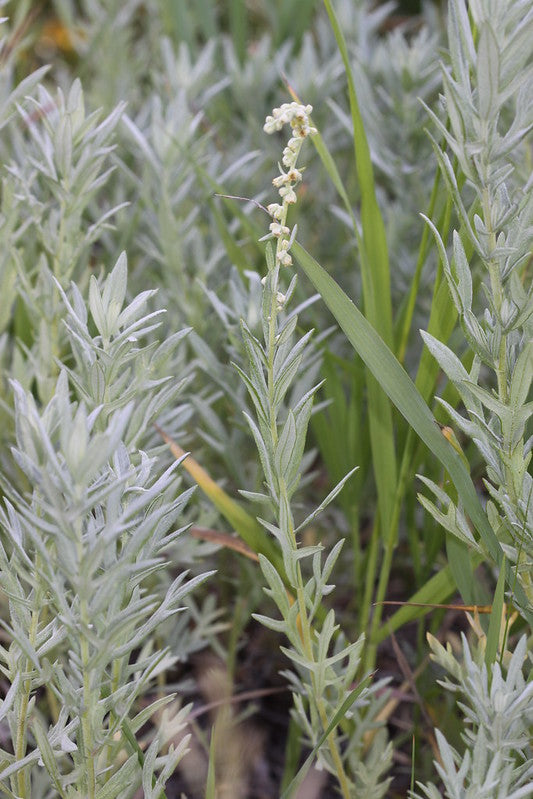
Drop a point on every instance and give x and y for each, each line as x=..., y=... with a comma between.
x=485, y=87
x=301, y=130
x=323, y=680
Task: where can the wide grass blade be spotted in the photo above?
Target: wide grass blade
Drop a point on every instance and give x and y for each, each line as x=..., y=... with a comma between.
x=375, y=276
x=397, y=384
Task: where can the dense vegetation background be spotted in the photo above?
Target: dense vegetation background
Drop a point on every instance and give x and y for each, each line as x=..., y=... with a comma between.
x=135, y=177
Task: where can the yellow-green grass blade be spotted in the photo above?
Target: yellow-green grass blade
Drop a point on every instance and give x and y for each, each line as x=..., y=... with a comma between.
x=397, y=384
x=247, y=527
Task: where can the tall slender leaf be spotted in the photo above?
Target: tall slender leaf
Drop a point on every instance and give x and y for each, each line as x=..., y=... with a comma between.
x=397, y=384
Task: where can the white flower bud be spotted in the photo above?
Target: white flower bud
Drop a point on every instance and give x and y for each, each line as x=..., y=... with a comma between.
x=280, y=180
x=278, y=230
x=281, y=299
x=294, y=176
x=288, y=194
x=275, y=210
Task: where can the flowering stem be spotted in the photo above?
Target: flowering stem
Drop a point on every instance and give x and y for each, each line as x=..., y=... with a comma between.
x=297, y=116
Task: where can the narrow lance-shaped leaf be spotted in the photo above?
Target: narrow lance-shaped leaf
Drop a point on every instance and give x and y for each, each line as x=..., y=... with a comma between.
x=397, y=384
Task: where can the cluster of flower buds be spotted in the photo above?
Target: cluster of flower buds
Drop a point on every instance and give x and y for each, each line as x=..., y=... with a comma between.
x=294, y=114
x=297, y=116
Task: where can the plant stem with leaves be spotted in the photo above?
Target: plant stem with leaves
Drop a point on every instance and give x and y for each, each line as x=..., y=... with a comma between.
x=322, y=680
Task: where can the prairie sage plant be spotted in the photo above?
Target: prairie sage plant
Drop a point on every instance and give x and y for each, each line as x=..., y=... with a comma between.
x=334, y=715
x=487, y=130
x=82, y=562
x=496, y=705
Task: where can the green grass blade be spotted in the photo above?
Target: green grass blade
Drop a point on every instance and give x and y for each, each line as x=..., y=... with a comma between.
x=206, y=18
x=210, y=787
x=493, y=635
x=220, y=195
x=380, y=416
x=373, y=227
x=461, y=568
x=407, y=317
x=442, y=320
x=292, y=19
x=375, y=275
x=293, y=749
x=238, y=25
x=179, y=21
x=331, y=168
x=234, y=251
x=397, y=384
x=132, y=740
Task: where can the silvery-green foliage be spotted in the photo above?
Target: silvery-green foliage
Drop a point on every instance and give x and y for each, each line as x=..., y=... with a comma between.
x=103, y=36
x=83, y=561
x=120, y=364
x=324, y=665
x=190, y=120
x=180, y=76
x=241, y=299
x=58, y=167
x=170, y=142
x=13, y=226
x=497, y=762
x=487, y=96
x=11, y=92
